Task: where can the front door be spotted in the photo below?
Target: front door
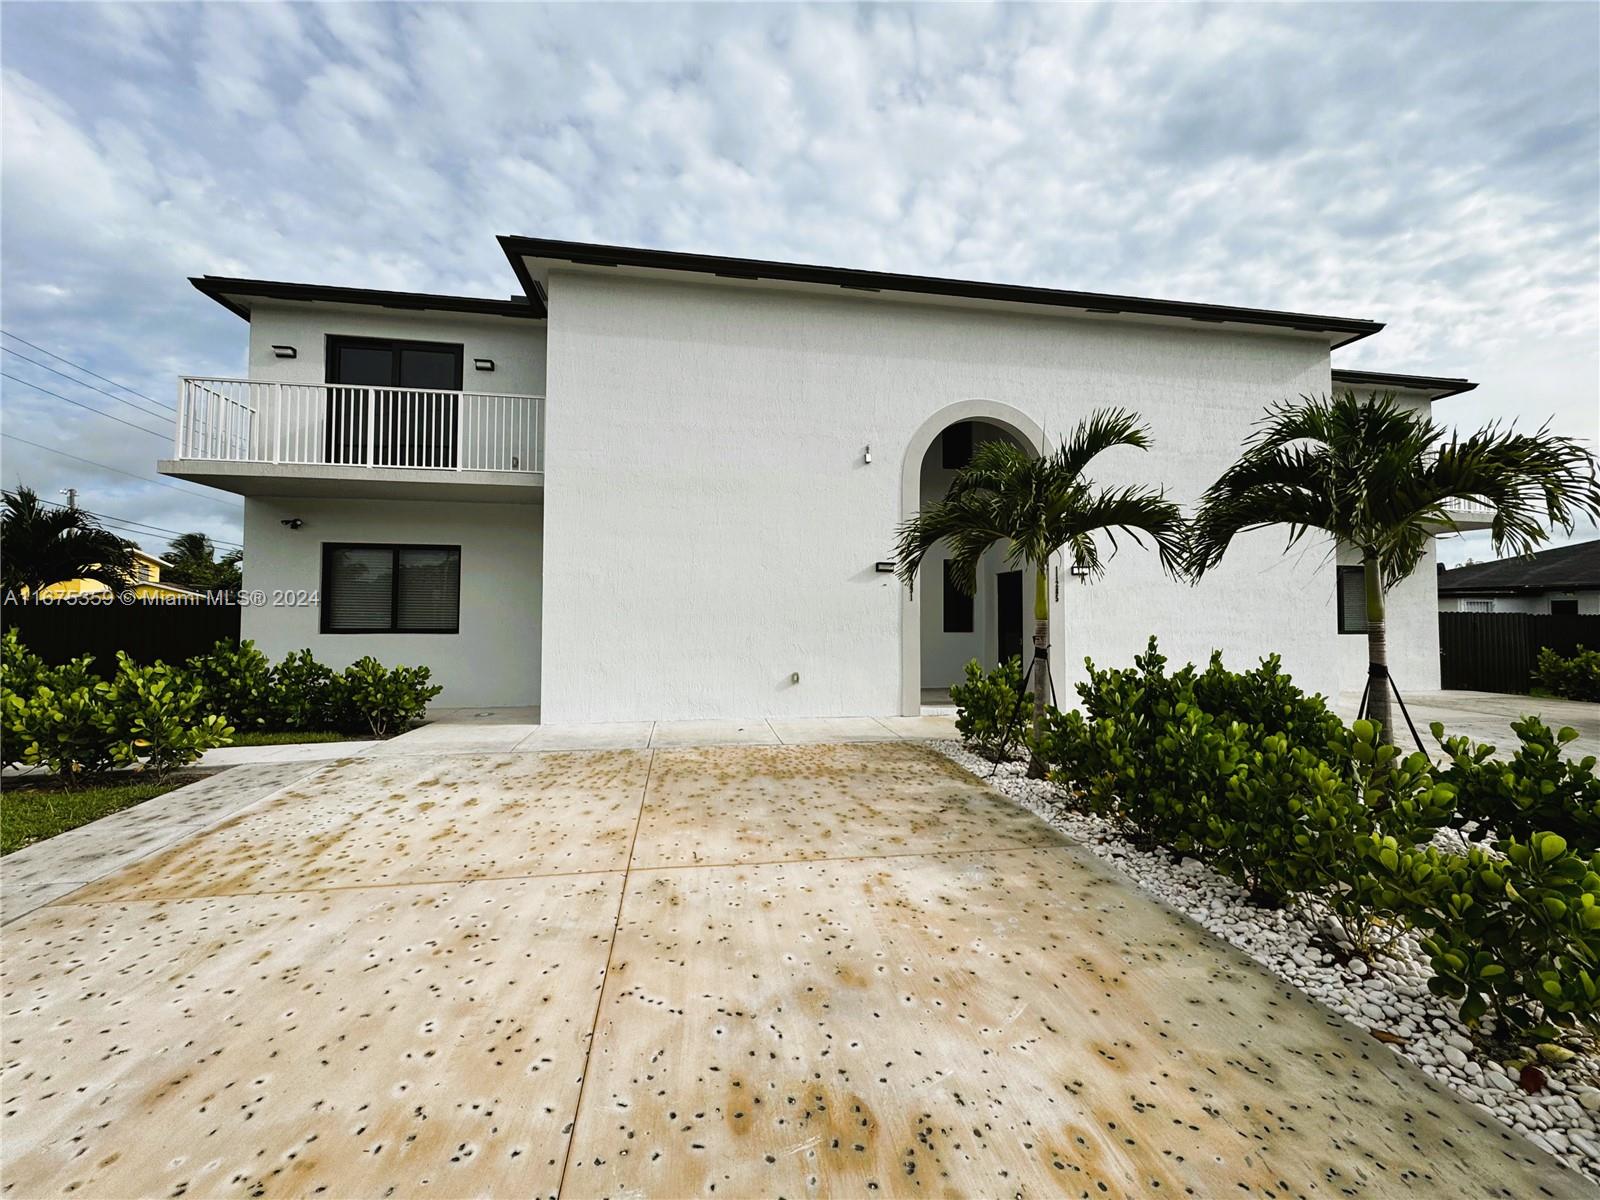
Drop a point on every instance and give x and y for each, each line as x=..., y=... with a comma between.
x=413, y=419
x=1008, y=607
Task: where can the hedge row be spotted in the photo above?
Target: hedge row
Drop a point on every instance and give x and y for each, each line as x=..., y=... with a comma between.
x=1267, y=785
x=70, y=721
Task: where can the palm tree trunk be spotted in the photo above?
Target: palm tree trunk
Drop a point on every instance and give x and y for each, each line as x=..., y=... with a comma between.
x=1039, y=669
x=1379, y=711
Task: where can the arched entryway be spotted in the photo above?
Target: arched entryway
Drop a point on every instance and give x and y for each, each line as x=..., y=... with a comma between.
x=939, y=634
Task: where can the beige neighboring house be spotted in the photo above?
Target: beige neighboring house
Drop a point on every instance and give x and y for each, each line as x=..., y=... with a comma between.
x=146, y=583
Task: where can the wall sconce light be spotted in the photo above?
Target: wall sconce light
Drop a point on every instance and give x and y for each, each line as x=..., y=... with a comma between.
x=883, y=567
x=483, y=364
x=284, y=352
x=292, y=522
x=1080, y=572
x=867, y=457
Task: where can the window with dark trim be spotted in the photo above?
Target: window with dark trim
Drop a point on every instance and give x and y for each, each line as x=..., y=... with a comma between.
x=1352, y=600
x=370, y=587
x=1564, y=608
x=957, y=604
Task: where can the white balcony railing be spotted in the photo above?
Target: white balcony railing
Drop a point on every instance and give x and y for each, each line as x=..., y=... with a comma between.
x=327, y=424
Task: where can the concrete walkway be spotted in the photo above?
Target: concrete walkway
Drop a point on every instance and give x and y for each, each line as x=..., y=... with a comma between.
x=1487, y=717
x=736, y=970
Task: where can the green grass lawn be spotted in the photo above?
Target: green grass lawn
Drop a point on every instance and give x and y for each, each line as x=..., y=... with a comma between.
x=30, y=813
x=256, y=737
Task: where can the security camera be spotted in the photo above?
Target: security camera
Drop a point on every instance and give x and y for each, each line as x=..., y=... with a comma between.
x=292, y=522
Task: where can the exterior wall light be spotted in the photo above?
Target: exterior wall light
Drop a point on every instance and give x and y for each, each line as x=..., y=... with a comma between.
x=867, y=457
x=292, y=522
x=284, y=352
x=883, y=567
x=483, y=364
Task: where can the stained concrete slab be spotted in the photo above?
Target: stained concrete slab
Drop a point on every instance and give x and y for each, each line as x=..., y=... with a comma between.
x=1015, y=1022
x=468, y=737
x=713, y=733
x=722, y=805
x=892, y=982
x=386, y=821
x=829, y=729
x=370, y=1042
x=929, y=725
x=48, y=870
x=618, y=735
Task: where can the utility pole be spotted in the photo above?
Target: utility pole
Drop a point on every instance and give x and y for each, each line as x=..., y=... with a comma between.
x=72, y=496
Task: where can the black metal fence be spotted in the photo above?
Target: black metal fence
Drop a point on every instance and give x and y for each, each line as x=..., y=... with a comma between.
x=1495, y=652
x=147, y=630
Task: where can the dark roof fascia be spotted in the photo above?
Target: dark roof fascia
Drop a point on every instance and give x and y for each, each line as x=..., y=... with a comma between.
x=587, y=254
x=224, y=290
x=1440, y=386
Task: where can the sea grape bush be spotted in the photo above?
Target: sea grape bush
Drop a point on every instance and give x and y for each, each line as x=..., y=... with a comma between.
x=1575, y=678
x=1266, y=784
x=992, y=711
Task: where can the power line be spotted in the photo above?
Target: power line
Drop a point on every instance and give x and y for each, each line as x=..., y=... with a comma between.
x=149, y=412
x=143, y=526
x=107, y=467
x=97, y=412
x=87, y=371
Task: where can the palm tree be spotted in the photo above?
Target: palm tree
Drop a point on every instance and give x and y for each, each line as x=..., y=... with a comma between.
x=1379, y=478
x=41, y=545
x=191, y=559
x=1037, y=507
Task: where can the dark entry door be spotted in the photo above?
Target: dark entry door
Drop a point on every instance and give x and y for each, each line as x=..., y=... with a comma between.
x=1008, y=607
x=413, y=425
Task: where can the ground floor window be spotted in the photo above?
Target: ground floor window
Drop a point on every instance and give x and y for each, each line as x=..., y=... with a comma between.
x=374, y=588
x=1564, y=608
x=1352, y=600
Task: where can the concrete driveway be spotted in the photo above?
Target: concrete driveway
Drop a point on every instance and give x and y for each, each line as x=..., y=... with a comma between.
x=732, y=971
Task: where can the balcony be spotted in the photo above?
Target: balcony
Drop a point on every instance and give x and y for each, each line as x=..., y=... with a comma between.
x=1467, y=515
x=257, y=437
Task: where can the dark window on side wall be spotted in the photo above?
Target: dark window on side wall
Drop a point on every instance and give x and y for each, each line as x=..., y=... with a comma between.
x=1563, y=608
x=1352, y=600
x=957, y=604
x=373, y=588
x=956, y=446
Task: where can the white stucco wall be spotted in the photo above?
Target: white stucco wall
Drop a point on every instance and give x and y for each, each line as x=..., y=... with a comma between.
x=492, y=661
x=517, y=345
x=710, y=518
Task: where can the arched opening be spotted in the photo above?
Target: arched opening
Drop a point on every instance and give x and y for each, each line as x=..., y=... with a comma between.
x=942, y=629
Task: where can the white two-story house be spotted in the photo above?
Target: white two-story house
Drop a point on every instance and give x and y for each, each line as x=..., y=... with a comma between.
x=662, y=485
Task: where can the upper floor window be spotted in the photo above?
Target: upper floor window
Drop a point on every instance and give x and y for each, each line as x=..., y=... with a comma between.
x=375, y=588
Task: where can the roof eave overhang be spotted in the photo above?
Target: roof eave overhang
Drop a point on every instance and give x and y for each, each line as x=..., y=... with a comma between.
x=235, y=294
x=1436, y=387
x=545, y=253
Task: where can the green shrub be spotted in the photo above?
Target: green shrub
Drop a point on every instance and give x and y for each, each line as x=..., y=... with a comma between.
x=20, y=668
x=1517, y=937
x=1538, y=789
x=59, y=723
x=382, y=699
x=303, y=694
x=156, y=719
x=1361, y=813
x=1267, y=699
x=1575, y=678
x=235, y=683
x=992, y=710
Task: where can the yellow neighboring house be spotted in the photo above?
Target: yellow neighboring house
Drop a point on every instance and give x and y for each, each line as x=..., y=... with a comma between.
x=146, y=581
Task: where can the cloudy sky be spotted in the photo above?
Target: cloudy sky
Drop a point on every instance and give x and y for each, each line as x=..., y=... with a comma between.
x=1433, y=166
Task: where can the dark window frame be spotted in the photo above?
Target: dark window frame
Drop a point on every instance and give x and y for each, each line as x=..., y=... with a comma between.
x=1569, y=606
x=1344, y=573
x=962, y=602
x=395, y=549
x=337, y=341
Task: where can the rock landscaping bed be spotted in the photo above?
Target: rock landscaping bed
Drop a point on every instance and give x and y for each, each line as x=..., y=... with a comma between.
x=1556, y=1105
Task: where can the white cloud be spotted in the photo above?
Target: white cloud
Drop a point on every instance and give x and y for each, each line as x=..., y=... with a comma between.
x=1432, y=166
